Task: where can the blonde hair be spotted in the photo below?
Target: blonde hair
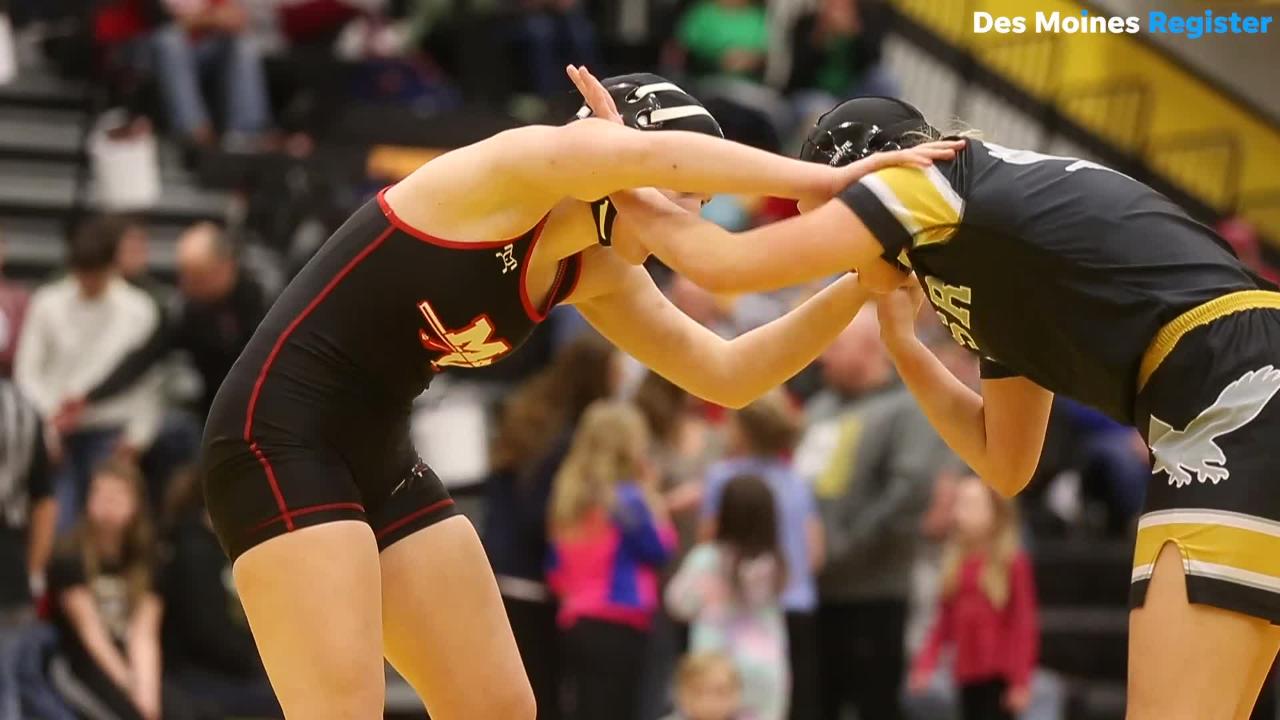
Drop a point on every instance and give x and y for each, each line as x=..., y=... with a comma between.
x=1003, y=545
x=696, y=666
x=954, y=129
x=608, y=448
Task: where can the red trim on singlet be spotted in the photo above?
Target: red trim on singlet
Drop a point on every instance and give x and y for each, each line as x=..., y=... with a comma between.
x=577, y=276
x=271, y=358
x=405, y=227
x=438, y=505
x=271, y=480
x=529, y=309
x=309, y=510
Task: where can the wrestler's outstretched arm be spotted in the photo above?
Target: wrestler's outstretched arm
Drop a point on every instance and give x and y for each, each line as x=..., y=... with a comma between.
x=830, y=240
x=999, y=432
x=624, y=304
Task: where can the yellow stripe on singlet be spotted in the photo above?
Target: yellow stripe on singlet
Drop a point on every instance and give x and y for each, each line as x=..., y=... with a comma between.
x=1229, y=546
x=1167, y=339
x=921, y=199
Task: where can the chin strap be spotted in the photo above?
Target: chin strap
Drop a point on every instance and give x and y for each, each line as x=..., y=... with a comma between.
x=603, y=213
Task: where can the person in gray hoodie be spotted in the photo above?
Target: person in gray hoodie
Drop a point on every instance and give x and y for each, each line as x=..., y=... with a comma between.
x=873, y=457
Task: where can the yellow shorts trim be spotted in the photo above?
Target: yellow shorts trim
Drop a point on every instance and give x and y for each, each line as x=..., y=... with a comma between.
x=1167, y=339
x=1229, y=546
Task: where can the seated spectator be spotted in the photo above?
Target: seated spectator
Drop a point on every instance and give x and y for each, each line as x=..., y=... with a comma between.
x=210, y=36
x=988, y=612
x=724, y=37
x=133, y=258
x=836, y=51
x=533, y=437
x=1114, y=465
x=208, y=650
x=723, y=45
x=761, y=439
x=552, y=34
x=835, y=55
x=872, y=456
x=121, y=56
x=730, y=588
x=707, y=687
x=78, y=328
x=27, y=515
x=13, y=309
x=106, y=606
x=177, y=437
x=610, y=535
x=219, y=308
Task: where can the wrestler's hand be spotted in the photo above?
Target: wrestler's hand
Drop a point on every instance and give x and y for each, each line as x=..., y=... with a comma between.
x=919, y=156
x=882, y=277
x=598, y=98
x=636, y=208
x=897, y=312
x=838, y=179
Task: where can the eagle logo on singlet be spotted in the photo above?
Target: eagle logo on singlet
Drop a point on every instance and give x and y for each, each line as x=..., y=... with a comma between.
x=471, y=346
x=1192, y=451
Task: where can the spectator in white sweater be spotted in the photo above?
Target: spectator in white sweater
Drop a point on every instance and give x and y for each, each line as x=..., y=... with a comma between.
x=77, y=329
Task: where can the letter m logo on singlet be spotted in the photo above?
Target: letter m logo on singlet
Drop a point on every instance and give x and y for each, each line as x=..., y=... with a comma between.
x=471, y=346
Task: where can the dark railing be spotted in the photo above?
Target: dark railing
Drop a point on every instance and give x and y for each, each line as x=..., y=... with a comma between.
x=1119, y=110
x=1206, y=163
x=1111, y=120
x=1245, y=103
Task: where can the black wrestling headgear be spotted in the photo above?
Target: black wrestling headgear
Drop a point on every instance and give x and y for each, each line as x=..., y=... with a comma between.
x=859, y=127
x=652, y=102
x=648, y=102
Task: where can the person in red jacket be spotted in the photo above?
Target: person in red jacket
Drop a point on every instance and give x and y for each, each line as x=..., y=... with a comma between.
x=988, y=611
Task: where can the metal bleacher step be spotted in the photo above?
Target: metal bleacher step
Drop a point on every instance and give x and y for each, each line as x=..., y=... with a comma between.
x=40, y=133
x=30, y=188
x=37, y=87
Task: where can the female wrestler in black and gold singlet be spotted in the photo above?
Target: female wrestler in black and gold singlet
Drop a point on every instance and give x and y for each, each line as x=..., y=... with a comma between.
x=1065, y=277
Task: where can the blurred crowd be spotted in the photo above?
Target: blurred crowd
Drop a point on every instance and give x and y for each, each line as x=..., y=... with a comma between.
x=116, y=599
x=264, y=75
x=813, y=552
x=816, y=553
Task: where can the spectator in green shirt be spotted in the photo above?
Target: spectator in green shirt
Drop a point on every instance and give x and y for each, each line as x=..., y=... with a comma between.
x=725, y=37
x=836, y=55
